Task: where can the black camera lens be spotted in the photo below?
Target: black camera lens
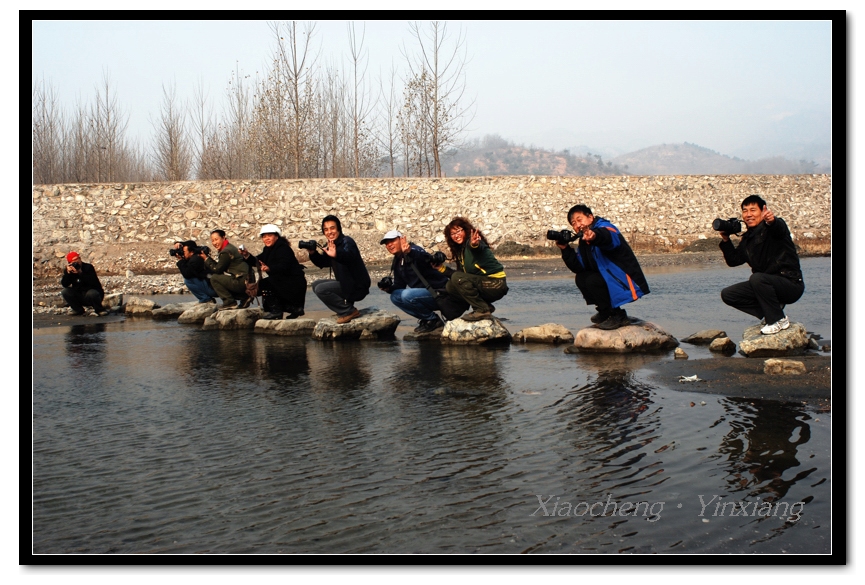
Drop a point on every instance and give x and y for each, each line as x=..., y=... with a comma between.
x=728, y=226
x=307, y=245
x=385, y=282
x=439, y=257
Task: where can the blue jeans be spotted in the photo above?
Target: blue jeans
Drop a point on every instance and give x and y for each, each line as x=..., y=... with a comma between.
x=201, y=288
x=417, y=302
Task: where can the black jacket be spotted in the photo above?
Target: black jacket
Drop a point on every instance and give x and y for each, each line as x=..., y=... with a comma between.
x=404, y=275
x=281, y=262
x=84, y=281
x=193, y=267
x=766, y=248
x=348, y=268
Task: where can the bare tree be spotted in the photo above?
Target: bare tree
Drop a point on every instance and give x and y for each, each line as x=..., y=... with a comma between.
x=294, y=63
x=446, y=114
x=388, y=112
x=47, y=139
x=363, y=148
x=172, y=152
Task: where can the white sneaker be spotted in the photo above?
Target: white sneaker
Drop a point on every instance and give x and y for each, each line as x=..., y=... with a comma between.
x=776, y=327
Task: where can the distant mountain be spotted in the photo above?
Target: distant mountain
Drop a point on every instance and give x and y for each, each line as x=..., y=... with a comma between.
x=690, y=159
x=494, y=156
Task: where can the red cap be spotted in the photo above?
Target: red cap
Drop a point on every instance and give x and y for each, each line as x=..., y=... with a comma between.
x=72, y=257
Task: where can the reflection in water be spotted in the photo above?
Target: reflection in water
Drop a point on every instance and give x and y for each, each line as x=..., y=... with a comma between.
x=85, y=346
x=762, y=445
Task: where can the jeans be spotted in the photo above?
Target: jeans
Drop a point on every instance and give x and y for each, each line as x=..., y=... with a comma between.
x=417, y=302
x=200, y=288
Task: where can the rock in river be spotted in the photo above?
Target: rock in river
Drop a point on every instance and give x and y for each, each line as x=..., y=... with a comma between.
x=783, y=367
x=287, y=327
x=174, y=310
x=138, y=307
x=705, y=337
x=790, y=341
x=484, y=332
x=547, y=333
x=639, y=336
x=197, y=313
x=233, y=319
x=372, y=324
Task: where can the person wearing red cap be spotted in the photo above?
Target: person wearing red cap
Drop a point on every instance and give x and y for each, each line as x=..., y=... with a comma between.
x=81, y=286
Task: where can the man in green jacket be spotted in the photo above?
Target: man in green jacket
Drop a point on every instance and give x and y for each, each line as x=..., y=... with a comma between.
x=229, y=273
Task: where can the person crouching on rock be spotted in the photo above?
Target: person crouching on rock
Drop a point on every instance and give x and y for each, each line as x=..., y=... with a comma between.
x=607, y=272
x=284, y=289
x=193, y=270
x=479, y=278
x=352, y=279
x=776, y=278
x=229, y=272
x=414, y=273
x=81, y=286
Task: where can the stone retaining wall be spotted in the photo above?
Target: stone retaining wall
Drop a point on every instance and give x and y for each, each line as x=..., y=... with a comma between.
x=669, y=209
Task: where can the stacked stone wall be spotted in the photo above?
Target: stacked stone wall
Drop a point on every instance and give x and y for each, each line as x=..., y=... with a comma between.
x=669, y=209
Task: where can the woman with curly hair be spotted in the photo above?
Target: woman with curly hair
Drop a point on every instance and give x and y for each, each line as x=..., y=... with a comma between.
x=479, y=277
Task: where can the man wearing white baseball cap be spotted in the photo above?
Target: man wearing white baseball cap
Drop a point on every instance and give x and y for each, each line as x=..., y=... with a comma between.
x=284, y=289
x=408, y=291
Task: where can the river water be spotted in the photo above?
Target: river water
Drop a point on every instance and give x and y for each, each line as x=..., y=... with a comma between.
x=154, y=437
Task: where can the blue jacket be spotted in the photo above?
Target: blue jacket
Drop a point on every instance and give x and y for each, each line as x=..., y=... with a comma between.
x=611, y=256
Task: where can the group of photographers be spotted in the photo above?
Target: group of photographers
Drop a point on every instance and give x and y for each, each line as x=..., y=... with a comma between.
x=608, y=274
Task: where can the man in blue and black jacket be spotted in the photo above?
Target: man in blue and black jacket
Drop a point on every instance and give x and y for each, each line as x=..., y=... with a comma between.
x=408, y=291
x=608, y=274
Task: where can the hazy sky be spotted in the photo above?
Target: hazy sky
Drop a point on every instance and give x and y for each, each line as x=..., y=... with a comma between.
x=555, y=84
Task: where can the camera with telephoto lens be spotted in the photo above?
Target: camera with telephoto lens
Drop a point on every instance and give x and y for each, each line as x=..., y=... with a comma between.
x=385, y=282
x=310, y=245
x=176, y=252
x=439, y=257
x=201, y=250
x=728, y=226
x=562, y=237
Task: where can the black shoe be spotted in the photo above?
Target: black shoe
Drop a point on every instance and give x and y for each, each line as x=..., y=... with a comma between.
x=246, y=302
x=600, y=317
x=614, y=321
x=429, y=325
x=273, y=316
x=294, y=313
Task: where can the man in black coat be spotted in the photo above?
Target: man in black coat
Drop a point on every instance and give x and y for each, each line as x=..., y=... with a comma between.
x=776, y=278
x=194, y=271
x=352, y=279
x=81, y=286
x=284, y=289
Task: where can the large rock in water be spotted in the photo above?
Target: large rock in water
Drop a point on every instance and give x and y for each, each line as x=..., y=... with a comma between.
x=197, y=313
x=372, y=324
x=547, y=333
x=112, y=302
x=705, y=337
x=174, y=310
x=233, y=319
x=484, y=332
x=288, y=327
x=790, y=341
x=138, y=307
x=639, y=336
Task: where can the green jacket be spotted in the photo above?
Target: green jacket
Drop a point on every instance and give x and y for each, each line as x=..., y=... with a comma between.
x=480, y=261
x=229, y=262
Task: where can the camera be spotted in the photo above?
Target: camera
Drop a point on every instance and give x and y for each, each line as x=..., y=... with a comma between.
x=439, y=257
x=310, y=245
x=201, y=250
x=728, y=226
x=562, y=237
x=176, y=252
x=385, y=283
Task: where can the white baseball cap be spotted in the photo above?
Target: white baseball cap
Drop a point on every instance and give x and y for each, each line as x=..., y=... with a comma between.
x=270, y=229
x=391, y=235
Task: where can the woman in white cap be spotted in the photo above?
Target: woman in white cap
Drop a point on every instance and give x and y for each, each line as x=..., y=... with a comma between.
x=284, y=289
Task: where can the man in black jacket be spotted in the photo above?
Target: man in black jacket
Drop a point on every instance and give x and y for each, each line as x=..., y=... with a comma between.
x=81, y=286
x=194, y=271
x=408, y=291
x=352, y=279
x=776, y=278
